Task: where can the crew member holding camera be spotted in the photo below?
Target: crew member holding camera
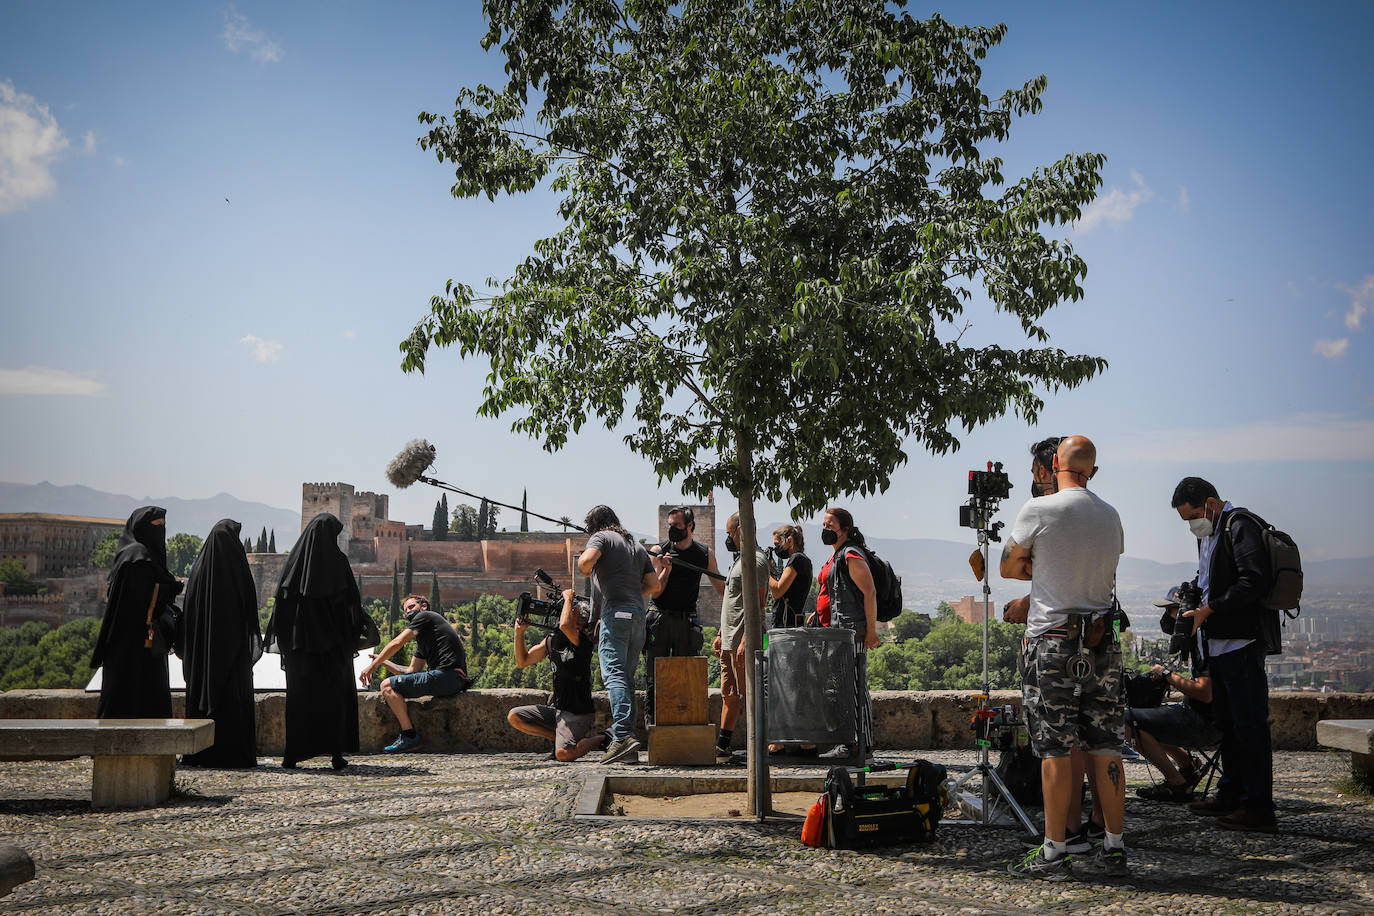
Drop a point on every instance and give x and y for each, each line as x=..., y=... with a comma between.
x=672, y=628
x=1163, y=733
x=1067, y=545
x=436, y=669
x=1236, y=632
x=568, y=721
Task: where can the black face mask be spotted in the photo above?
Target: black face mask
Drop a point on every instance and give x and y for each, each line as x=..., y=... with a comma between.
x=676, y=534
x=782, y=553
x=730, y=544
x=829, y=536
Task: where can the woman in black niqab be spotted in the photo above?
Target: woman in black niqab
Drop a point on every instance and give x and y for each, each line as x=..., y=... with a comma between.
x=314, y=627
x=133, y=684
x=221, y=642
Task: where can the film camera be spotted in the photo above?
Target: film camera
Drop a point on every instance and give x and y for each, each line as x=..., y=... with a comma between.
x=985, y=489
x=1189, y=598
x=544, y=611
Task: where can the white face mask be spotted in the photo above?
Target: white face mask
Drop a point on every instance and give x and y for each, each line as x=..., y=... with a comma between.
x=1201, y=527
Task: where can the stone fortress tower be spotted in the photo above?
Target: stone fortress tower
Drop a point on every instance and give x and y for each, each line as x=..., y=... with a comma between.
x=359, y=511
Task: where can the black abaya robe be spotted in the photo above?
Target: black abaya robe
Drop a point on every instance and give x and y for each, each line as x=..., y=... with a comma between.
x=133, y=684
x=221, y=642
x=314, y=626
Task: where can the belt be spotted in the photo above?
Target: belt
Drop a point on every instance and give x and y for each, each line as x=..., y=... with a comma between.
x=1071, y=627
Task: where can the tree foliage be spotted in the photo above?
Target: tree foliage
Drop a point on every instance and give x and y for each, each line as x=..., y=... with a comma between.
x=948, y=657
x=439, y=526
x=34, y=656
x=464, y=527
x=103, y=553
x=182, y=550
x=524, y=510
x=272, y=541
x=764, y=206
x=12, y=572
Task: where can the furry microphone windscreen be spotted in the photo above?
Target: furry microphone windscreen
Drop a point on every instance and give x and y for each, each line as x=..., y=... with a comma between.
x=412, y=462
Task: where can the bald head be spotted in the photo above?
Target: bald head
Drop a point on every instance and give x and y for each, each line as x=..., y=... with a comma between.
x=1076, y=460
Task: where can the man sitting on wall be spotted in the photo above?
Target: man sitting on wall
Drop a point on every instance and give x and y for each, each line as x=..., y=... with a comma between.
x=572, y=714
x=437, y=667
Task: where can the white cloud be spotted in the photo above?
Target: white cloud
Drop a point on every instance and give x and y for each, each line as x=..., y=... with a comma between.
x=350, y=334
x=1361, y=300
x=1302, y=437
x=241, y=35
x=88, y=143
x=1116, y=206
x=119, y=161
x=1185, y=203
x=1331, y=349
x=42, y=380
x=29, y=142
x=264, y=351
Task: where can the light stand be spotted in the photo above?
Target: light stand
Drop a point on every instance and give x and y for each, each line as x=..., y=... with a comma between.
x=984, y=805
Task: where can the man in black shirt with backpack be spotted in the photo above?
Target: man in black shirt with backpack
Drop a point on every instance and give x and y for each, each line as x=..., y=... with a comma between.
x=568, y=719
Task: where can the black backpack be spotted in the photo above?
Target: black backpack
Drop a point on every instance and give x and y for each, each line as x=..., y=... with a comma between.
x=887, y=585
x=1285, y=566
x=878, y=815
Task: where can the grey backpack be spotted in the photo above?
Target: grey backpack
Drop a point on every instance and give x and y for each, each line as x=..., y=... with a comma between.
x=1285, y=566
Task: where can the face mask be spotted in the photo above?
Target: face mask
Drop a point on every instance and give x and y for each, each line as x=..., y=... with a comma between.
x=829, y=537
x=782, y=553
x=1201, y=527
x=730, y=544
x=676, y=534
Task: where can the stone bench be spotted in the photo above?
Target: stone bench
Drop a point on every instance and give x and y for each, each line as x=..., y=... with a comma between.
x=1355, y=736
x=134, y=758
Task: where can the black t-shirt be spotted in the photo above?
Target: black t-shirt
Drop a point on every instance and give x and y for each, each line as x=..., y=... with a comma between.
x=572, y=672
x=679, y=595
x=790, y=606
x=437, y=642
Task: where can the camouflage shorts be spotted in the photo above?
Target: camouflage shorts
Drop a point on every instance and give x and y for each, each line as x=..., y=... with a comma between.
x=1062, y=710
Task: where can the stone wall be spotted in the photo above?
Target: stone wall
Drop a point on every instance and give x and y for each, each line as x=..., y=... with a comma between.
x=334, y=498
x=267, y=569
x=476, y=720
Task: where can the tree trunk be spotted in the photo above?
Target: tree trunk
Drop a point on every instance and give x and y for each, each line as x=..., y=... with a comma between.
x=753, y=617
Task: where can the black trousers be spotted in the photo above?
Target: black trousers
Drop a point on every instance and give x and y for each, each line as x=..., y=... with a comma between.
x=667, y=634
x=1240, y=708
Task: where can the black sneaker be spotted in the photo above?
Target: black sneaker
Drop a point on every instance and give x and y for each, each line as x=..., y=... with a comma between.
x=1164, y=792
x=1110, y=862
x=1079, y=842
x=1035, y=865
x=1095, y=832
x=723, y=753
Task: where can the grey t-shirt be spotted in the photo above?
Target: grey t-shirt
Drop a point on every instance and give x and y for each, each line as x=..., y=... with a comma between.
x=1075, y=540
x=618, y=576
x=732, y=605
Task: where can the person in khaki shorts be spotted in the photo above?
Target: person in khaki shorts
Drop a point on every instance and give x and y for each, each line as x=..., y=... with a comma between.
x=729, y=645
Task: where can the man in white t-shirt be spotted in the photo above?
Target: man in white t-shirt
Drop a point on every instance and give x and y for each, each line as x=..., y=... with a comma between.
x=1067, y=544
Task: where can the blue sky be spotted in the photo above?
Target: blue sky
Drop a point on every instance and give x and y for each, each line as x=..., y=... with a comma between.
x=157, y=339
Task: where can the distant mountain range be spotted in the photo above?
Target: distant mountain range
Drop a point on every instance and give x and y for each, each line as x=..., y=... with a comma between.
x=192, y=516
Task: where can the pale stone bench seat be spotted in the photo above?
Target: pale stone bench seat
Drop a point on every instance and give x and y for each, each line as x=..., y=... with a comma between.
x=134, y=758
x=1355, y=736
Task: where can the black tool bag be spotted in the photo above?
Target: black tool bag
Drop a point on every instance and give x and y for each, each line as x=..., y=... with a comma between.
x=879, y=815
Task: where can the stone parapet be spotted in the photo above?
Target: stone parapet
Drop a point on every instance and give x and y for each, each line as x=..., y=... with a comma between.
x=476, y=720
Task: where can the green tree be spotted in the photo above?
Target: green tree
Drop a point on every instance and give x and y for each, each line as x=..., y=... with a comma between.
x=247, y=545
x=182, y=550
x=12, y=572
x=103, y=554
x=261, y=545
x=434, y=602
x=439, y=525
x=394, y=611
x=272, y=541
x=410, y=573
x=910, y=625
x=793, y=191
x=524, y=510
x=464, y=524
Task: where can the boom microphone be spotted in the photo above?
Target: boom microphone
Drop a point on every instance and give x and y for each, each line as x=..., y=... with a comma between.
x=411, y=464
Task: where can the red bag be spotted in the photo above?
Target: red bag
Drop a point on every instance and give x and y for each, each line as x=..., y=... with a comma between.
x=813, y=831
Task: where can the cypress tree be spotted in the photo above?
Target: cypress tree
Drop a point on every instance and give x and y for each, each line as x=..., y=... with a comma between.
x=410, y=573
x=448, y=526
x=272, y=541
x=482, y=520
x=262, y=541
x=439, y=526
x=394, y=612
x=434, y=603
x=247, y=545
x=524, y=514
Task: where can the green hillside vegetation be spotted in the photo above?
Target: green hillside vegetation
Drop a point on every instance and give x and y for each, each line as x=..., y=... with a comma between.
x=34, y=655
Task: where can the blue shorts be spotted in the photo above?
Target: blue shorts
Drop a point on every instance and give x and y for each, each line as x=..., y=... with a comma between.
x=1175, y=724
x=428, y=684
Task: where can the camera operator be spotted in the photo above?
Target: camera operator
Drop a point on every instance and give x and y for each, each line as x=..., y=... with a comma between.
x=622, y=577
x=672, y=628
x=1164, y=733
x=1235, y=632
x=1068, y=544
x=568, y=721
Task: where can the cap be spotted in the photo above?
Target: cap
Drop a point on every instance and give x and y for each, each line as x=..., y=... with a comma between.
x=1170, y=599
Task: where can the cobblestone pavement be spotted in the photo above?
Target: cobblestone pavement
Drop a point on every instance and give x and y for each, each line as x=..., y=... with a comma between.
x=492, y=834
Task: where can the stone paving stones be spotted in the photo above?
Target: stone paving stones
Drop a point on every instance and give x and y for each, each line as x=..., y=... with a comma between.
x=491, y=834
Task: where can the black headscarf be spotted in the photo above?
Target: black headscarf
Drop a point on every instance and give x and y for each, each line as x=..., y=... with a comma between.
x=143, y=541
x=318, y=596
x=221, y=620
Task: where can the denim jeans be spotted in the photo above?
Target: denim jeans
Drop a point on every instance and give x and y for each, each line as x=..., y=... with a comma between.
x=622, y=641
x=1240, y=708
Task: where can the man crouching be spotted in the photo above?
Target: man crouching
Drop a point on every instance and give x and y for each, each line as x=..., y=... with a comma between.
x=567, y=722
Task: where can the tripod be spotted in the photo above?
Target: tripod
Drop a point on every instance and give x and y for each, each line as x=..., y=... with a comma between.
x=985, y=804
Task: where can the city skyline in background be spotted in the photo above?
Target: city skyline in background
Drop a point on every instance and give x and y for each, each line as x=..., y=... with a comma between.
x=216, y=228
